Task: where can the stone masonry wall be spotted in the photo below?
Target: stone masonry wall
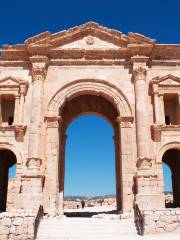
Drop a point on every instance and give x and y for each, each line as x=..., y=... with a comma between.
x=11, y=193
x=163, y=220
x=17, y=225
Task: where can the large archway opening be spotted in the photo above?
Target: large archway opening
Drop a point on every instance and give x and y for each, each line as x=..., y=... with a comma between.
x=90, y=165
x=91, y=105
x=171, y=159
x=7, y=161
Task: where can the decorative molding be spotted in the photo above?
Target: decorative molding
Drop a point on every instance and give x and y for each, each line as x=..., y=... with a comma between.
x=90, y=40
x=166, y=84
x=12, y=84
x=157, y=129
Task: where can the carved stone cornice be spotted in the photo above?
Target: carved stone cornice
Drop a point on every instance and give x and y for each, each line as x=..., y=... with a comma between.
x=19, y=131
x=157, y=129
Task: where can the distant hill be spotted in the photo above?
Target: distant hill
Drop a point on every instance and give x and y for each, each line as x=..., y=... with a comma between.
x=80, y=197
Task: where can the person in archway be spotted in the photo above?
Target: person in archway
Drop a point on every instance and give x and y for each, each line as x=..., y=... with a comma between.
x=83, y=204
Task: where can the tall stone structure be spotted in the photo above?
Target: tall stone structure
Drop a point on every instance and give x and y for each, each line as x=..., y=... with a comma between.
x=130, y=80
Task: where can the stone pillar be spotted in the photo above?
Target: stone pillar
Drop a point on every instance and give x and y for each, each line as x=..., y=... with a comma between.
x=0, y=110
x=118, y=173
x=178, y=109
x=127, y=164
x=162, y=110
x=16, y=110
x=36, y=116
x=33, y=180
x=156, y=104
x=146, y=181
x=53, y=204
x=141, y=108
x=21, y=105
x=62, y=172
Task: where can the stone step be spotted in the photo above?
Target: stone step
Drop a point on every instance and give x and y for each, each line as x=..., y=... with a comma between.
x=85, y=228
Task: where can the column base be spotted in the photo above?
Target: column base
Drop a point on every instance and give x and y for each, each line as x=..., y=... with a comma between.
x=149, y=202
x=31, y=196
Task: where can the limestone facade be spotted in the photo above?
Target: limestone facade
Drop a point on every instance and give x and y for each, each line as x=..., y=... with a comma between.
x=51, y=79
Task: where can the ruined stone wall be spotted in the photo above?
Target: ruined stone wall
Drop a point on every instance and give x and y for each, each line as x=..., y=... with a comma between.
x=163, y=220
x=17, y=225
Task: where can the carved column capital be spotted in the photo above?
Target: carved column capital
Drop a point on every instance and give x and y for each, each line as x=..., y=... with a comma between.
x=139, y=67
x=20, y=132
x=39, y=67
x=125, y=121
x=139, y=72
x=53, y=121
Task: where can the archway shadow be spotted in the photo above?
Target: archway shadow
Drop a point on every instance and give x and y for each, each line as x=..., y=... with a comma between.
x=88, y=214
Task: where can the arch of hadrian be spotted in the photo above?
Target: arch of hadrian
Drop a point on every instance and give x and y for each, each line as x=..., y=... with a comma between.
x=51, y=79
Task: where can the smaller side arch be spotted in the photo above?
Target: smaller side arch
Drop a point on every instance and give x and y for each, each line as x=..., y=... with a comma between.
x=14, y=149
x=164, y=148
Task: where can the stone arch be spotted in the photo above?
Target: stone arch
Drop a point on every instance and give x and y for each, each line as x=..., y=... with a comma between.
x=13, y=149
x=160, y=159
x=90, y=86
x=56, y=136
x=166, y=147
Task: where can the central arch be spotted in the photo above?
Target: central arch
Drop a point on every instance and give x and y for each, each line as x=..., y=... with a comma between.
x=101, y=98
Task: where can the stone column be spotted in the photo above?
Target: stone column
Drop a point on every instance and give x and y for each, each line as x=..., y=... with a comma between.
x=21, y=105
x=62, y=172
x=0, y=110
x=16, y=110
x=178, y=109
x=33, y=180
x=146, y=181
x=53, y=203
x=39, y=65
x=127, y=163
x=162, y=110
x=118, y=172
x=156, y=104
x=141, y=109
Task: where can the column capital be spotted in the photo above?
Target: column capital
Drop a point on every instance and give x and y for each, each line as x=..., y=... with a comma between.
x=39, y=67
x=53, y=121
x=125, y=121
x=139, y=67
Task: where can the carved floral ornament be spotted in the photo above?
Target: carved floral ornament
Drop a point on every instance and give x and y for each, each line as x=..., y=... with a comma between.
x=33, y=163
x=144, y=163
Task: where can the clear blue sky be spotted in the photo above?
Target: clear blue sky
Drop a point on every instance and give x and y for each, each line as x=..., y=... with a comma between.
x=21, y=19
